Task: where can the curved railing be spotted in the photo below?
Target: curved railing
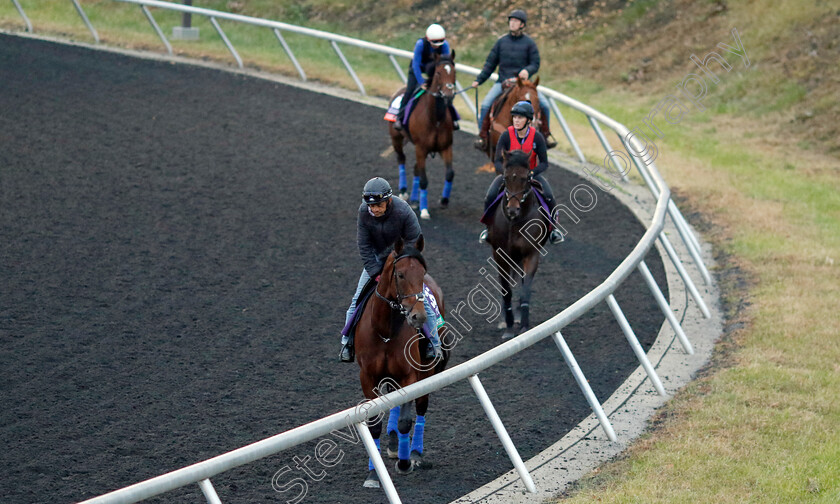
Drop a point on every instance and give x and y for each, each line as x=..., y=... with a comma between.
x=617, y=163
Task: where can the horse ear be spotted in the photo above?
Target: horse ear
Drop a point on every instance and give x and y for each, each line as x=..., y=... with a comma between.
x=518, y=80
x=419, y=244
x=398, y=247
x=537, y=81
x=505, y=155
x=452, y=55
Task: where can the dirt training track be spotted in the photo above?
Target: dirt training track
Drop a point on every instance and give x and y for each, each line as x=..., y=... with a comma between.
x=177, y=250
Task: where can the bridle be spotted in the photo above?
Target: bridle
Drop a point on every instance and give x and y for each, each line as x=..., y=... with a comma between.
x=397, y=304
x=448, y=86
x=524, y=192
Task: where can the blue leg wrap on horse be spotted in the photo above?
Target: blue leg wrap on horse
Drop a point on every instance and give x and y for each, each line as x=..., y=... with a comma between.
x=403, y=450
x=417, y=440
x=403, y=184
x=424, y=198
x=393, y=418
x=447, y=189
x=415, y=189
x=370, y=461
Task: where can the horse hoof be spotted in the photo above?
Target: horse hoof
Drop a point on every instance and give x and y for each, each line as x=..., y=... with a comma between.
x=372, y=480
x=404, y=194
x=424, y=214
x=501, y=325
x=523, y=329
x=508, y=334
x=404, y=466
x=417, y=460
x=393, y=445
x=444, y=202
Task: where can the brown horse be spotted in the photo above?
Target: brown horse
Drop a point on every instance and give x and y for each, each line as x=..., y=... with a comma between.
x=517, y=231
x=430, y=129
x=387, y=344
x=521, y=90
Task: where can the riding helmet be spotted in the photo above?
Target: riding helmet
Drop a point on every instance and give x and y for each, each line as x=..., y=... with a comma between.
x=520, y=15
x=436, y=35
x=376, y=191
x=523, y=108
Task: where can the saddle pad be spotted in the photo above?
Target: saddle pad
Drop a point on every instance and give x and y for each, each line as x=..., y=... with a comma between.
x=391, y=114
x=366, y=294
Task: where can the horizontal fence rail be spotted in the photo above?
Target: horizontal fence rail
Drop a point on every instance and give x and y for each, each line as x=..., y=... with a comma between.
x=355, y=418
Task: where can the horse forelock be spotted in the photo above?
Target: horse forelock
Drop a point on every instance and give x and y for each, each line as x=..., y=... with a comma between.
x=518, y=158
x=413, y=253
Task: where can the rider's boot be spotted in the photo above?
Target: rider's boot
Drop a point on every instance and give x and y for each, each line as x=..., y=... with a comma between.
x=346, y=354
x=431, y=352
x=398, y=124
x=481, y=142
x=550, y=142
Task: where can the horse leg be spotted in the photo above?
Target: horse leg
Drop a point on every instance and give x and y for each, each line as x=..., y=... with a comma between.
x=397, y=143
x=374, y=425
x=420, y=175
x=450, y=174
x=393, y=440
x=404, y=433
x=507, y=294
x=422, y=404
x=529, y=265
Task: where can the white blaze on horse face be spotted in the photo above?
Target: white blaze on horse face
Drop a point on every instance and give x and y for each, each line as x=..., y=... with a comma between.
x=448, y=69
x=528, y=96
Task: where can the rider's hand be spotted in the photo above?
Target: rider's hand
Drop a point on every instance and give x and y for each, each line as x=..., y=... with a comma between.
x=424, y=86
x=523, y=74
x=474, y=83
x=377, y=278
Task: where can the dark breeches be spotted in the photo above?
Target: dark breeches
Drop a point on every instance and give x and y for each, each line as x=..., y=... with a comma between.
x=496, y=186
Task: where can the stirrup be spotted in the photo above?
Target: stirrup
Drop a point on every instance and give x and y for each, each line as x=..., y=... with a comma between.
x=431, y=353
x=556, y=237
x=480, y=144
x=482, y=238
x=347, y=353
x=455, y=126
x=398, y=124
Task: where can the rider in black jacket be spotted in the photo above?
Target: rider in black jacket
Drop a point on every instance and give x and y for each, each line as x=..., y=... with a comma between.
x=381, y=222
x=528, y=139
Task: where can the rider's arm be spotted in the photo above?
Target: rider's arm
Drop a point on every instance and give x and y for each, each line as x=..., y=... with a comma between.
x=366, y=250
x=417, y=62
x=501, y=147
x=411, y=226
x=542, y=153
x=489, y=64
x=445, y=50
x=533, y=65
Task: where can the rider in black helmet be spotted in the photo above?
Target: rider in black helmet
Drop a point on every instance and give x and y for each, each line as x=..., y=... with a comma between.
x=516, y=55
x=522, y=136
x=382, y=220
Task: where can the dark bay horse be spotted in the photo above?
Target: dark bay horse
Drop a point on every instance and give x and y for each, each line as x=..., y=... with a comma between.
x=521, y=90
x=387, y=345
x=430, y=129
x=517, y=230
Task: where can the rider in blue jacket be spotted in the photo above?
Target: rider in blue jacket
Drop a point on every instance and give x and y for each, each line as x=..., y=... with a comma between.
x=434, y=43
x=381, y=222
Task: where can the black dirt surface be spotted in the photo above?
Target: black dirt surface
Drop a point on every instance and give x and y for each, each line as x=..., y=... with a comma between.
x=177, y=250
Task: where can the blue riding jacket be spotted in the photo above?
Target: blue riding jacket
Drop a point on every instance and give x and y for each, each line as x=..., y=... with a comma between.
x=424, y=54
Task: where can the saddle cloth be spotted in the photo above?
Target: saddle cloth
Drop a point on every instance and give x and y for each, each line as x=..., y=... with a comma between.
x=365, y=295
x=394, y=108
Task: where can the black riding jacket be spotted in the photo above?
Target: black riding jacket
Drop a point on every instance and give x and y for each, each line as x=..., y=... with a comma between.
x=511, y=54
x=376, y=235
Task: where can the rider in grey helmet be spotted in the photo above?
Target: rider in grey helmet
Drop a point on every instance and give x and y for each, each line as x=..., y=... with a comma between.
x=382, y=220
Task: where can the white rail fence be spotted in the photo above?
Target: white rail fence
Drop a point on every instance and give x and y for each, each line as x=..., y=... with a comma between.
x=616, y=165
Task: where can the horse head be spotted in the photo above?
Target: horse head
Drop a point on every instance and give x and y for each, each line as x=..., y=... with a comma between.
x=526, y=90
x=404, y=271
x=517, y=180
x=442, y=84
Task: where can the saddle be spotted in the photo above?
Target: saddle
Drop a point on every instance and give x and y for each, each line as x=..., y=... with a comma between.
x=538, y=190
x=396, y=100
x=507, y=87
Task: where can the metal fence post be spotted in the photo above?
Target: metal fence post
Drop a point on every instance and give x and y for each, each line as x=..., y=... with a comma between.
x=86, y=20
x=634, y=343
